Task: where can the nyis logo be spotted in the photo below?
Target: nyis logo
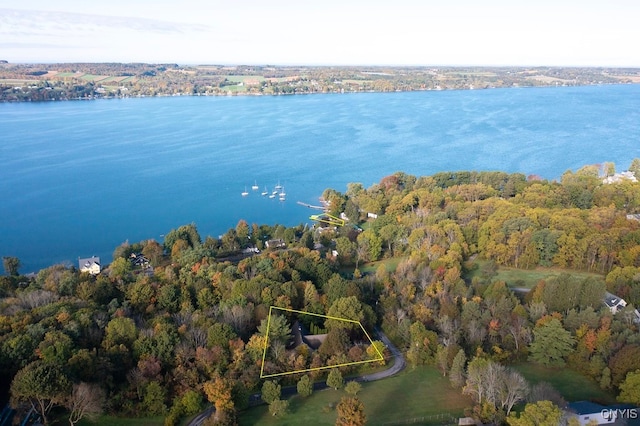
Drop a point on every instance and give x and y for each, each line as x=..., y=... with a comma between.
x=620, y=413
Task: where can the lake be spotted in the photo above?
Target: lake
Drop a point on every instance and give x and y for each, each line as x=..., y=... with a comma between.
x=79, y=178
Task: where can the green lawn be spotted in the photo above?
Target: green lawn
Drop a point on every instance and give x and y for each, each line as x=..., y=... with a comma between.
x=530, y=277
x=391, y=264
x=572, y=386
x=412, y=394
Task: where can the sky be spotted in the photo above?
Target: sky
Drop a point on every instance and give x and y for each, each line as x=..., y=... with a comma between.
x=324, y=32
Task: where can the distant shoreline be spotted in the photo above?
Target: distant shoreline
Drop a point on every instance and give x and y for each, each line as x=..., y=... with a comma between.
x=56, y=82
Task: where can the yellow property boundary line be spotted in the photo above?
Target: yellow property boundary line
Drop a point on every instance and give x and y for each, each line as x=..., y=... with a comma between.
x=266, y=344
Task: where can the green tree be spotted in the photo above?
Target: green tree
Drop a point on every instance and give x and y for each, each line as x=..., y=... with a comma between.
x=605, y=378
x=188, y=233
x=353, y=387
x=153, y=401
x=271, y=391
x=55, y=348
x=551, y=344
x=335, y=380
x=348, y=308
x=350, y=412
x=630, y=388
x=191, y=401
x=120, y=331
x=541, y=413
x=346, y=250
x=456, y=373
x=120, y=269
x=609, y=168
x=279, y=329
x=423, y=346
x=242, y=232
x=304, y=386
x=635, y=167
x=220, y=334
x=42, y=385
x=11, y=265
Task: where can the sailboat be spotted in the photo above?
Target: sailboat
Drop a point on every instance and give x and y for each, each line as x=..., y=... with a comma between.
x=265, y=192
x=255, y=185
x=278, y=186
x=245, y=193
x=282, y=194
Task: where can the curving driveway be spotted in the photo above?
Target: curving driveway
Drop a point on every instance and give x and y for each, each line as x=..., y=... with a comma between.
x=398, y=365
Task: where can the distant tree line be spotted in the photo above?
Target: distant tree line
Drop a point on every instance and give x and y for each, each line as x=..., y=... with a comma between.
x=46, y=82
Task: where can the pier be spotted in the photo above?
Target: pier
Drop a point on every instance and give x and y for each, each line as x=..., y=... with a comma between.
x=311, y=206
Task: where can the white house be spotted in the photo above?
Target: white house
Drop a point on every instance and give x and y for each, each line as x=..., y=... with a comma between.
x=90, y=265
x=619, y=177
x=614, y=303
x=587, y=412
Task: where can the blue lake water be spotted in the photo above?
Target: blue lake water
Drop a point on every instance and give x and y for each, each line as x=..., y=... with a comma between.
x=79, y=178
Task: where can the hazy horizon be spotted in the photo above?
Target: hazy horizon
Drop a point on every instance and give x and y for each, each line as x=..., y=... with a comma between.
x=332, y=33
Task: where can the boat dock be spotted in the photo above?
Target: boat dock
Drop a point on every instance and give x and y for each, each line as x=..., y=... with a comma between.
x=311, y=206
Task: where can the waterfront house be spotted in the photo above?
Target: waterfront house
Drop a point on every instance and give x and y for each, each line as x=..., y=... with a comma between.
x=275, y=244
x=90, y=265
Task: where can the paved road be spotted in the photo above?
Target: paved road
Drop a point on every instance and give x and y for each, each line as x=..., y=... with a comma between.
x=398, y=365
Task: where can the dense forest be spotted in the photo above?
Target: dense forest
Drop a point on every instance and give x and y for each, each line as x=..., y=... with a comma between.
x=170, y=325
x=47, y=82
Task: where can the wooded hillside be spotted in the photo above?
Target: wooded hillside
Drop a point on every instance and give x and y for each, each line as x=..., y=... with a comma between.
x=162, y=339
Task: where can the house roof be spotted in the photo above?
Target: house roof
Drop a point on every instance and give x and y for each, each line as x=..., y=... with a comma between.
x=88, y=261
x=611, y=300
x=585, y=407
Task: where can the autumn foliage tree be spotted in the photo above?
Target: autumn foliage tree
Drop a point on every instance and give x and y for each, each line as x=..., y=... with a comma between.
x=218, y=392
x=350, y=412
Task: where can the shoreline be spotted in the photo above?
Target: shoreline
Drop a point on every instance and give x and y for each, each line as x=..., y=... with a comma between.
x=243, y=94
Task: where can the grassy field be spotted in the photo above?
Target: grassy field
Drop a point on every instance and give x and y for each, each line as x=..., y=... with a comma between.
x=572, y=386
x=530, y=277
x=243, y=78
x=391, y=264
x=414, y=393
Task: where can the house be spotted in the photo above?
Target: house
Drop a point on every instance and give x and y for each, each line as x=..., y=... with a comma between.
x=620, y=177
x=275, y=244
x=589, y=412
x=614, y=303
x=140, y=261
x=90, y=265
